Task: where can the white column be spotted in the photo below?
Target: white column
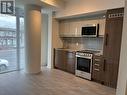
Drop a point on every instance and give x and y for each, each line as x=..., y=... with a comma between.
x=50, y=48
x=32, y=39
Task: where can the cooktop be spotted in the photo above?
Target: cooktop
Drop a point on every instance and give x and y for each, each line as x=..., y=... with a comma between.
x=89, y=51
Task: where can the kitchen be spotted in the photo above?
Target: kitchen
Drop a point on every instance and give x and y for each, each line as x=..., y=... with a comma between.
x=80, y=44
x=91, y=46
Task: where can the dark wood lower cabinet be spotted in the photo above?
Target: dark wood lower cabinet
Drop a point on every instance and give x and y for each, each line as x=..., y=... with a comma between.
x=105, y=71
x=110, y=73
x=60, y=59
x=70, y=66
x=97, y=71
x=64, y=60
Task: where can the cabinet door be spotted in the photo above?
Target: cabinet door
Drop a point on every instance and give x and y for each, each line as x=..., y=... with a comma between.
x=71, y=62
x=102, y=27
x=110, y=72
x=113, y=38
x=60, y=59
x=65, y=60
x=112, y=44
x=64, y=29
x=75, y=28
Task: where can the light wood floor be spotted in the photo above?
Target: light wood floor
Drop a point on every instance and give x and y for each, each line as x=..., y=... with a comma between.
x=49, y=82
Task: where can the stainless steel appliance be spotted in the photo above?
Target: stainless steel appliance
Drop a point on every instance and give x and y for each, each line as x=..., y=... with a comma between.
x=84, y=61
x=90, y=30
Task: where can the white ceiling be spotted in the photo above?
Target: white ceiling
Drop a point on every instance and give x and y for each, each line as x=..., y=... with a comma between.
x=21, y=3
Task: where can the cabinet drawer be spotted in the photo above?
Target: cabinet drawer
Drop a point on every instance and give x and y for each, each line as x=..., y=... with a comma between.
x=97, y=59
x=96, y=69
x=96, y=64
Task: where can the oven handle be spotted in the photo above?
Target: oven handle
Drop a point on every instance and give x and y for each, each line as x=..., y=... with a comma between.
x=89, y=57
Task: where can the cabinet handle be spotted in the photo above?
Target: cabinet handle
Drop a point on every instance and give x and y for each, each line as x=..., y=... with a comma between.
x=96, y=69
x=96, y=64
x=106, y=42
x=104, y=68
x=97, y=59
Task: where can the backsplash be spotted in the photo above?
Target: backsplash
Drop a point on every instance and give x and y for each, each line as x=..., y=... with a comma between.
x=83, y=43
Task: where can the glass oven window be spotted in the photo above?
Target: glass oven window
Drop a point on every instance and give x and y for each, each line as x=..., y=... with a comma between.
x=83, y=64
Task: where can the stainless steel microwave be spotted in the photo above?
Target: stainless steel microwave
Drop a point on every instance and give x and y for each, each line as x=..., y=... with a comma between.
x=90, y=30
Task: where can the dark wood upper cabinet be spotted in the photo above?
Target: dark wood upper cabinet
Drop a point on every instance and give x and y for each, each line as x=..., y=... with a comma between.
x=112, y=45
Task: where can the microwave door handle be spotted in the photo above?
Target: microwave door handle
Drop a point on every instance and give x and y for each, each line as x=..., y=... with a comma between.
x=98, y=30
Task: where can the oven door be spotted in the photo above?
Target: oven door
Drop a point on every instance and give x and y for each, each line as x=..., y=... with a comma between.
x=84, y=64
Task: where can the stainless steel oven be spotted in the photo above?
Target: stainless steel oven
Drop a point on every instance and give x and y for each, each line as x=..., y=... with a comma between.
x=84, y=65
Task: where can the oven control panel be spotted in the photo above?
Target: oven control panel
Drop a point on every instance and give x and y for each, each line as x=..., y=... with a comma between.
x=84, y=54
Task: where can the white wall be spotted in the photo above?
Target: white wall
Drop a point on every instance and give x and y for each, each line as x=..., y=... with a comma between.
x=49, y=61
x=57, y=42
x=75, y=7
x=53, y=39
x=122, y=78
